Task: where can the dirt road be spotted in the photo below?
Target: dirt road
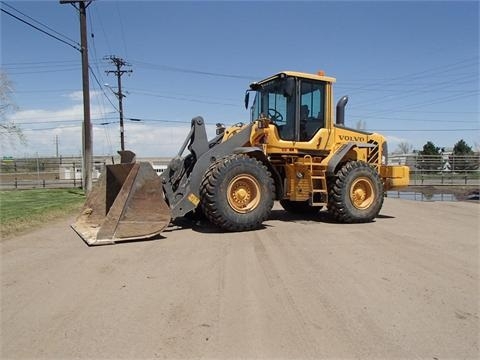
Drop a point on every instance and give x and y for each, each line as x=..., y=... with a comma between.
x=405, y=286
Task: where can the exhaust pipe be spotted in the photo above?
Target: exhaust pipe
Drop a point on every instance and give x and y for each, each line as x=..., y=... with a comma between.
x=341, y=110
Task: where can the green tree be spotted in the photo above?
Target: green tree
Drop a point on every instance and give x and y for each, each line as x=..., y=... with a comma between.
x=430, y=158
x=463, y=157
x=430, y=149
x=462, y=148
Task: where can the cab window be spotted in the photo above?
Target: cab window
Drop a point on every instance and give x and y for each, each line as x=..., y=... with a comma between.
x=312, y=109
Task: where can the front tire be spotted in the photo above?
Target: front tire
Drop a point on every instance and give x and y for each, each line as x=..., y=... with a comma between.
x=355, y=194
x=237, y=193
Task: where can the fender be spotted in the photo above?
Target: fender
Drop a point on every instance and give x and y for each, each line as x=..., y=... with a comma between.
x=258, y=154
x=341, y=153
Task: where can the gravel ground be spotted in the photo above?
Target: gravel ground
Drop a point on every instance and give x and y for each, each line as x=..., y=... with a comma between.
x=404, y=286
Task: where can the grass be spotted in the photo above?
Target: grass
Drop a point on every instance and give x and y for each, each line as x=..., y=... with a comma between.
x=21, y=210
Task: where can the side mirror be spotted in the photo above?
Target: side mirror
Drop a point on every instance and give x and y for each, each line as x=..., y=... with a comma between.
x=247, y=98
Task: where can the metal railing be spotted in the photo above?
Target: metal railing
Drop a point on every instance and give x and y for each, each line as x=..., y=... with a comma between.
x=67, y=172
x=31, y=173
x=444, y=169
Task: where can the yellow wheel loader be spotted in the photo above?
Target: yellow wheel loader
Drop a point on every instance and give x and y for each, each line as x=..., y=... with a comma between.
x=292, y=151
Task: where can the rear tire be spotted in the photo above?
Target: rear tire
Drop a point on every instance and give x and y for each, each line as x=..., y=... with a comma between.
x=299, y=207
x=237, y=193
x=355, y=194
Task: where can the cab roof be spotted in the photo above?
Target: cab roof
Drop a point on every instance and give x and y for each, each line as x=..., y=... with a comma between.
x=301, y=75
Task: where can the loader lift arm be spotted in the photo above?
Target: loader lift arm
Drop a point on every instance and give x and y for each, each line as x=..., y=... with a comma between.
x=182, y=179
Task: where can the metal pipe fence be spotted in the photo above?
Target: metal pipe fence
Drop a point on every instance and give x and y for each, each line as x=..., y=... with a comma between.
x=444, y=169
x=28, y=173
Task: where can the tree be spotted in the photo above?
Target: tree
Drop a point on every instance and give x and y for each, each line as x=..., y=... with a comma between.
x=361, y=125
x=430, y=149
x=8, y=129
x=477, y=147
x=404, y=148
x=430, y=158
x=463, y=157
x=462, y=148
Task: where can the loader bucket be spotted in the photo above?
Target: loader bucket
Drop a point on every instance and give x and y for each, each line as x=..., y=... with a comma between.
x=127, y=203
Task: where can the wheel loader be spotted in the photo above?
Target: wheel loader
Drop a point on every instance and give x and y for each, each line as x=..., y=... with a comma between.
x=292, y=150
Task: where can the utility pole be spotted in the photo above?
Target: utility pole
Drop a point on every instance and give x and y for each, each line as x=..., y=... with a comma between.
x=119, y=63
x=87, y=153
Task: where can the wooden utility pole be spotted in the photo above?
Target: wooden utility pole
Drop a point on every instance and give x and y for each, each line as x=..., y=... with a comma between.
x=119, y=63
x=87, y=152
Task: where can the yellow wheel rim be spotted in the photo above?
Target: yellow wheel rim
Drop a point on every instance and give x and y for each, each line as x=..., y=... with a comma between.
x=362, y=194
x=243, y=193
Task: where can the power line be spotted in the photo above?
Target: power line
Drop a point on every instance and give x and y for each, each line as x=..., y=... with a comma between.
x=42, y=71
x=423, y=130
x=40, y=23
x=182, y=98
x=59, y=121
x=30, y=63
x=410, y=119
x=422, y=104
x=415, y=75
x=191, y=71
x=122, y=32
x=103, y=29
x=44, y=91
x=42, y=31
x=407, y=94
x=102, y=89
x=166, y=121
x=196, y=96
x=425, y=88
x=39, y=66
x=437, y=112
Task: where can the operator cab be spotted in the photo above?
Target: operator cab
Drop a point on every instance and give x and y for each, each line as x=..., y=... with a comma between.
x=294, y=102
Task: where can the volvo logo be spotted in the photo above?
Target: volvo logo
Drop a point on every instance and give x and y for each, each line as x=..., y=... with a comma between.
x=352, y=138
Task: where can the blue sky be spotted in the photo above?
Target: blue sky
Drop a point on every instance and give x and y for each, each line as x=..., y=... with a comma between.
x=411, y=69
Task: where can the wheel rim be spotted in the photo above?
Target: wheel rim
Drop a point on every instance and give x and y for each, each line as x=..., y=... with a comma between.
x=243, y=193
x=362, y=194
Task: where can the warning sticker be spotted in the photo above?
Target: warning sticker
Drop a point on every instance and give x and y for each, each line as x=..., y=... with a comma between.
x=193, y=199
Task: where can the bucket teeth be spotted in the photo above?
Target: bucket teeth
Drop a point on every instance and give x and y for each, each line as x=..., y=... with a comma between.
x=127, y=203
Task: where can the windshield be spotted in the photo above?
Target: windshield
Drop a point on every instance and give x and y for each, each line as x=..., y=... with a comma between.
x=272, y=101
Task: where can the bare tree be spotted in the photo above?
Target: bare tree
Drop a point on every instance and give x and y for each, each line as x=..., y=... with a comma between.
x=8, y=129
x=404, y=148
x=476, y=147
x=361, y=125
